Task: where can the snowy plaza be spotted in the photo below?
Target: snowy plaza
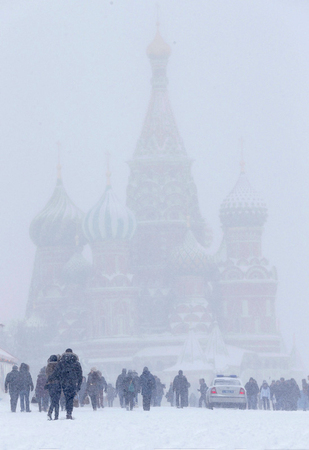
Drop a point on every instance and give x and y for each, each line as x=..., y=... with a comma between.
x=160, y=428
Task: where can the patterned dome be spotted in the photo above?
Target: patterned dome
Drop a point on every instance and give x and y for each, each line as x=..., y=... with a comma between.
x=190, y=257
x=77, y=269
x=58, y=223
x=243, y=206
x=109, y=219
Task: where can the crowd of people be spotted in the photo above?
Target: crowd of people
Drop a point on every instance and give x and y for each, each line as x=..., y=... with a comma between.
x=280, y=394
x=61, y=384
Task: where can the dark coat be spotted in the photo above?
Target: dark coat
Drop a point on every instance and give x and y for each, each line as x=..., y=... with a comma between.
x=203, y=388
x=130, y=384
x=69, y=372
x=147, y=383
x=40, y=383
x=252, y=388
x=25, y=378
x=181, y=384
x=119, y=381
x=51, y=366
x=93, y=383
x=12, y=381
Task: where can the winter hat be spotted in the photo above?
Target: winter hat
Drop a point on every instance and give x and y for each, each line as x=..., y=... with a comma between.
x=14, y=367
x=53, y=358
x=145, y=369
x=180, y=372
x=69, y=350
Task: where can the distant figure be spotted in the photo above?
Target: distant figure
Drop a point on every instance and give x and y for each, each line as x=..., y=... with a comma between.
x=304, y=395
x=170, y=395
x=83, y=392
x=130, y=389
x=93, y=387
x=120, y=387
x=265, y=395
x=147, y=386
x=69, y=372
x=159, y=392
x=26, y=385
x=203, y=389
x=181, y=388
x=102, y=387
x=111, y=394
x=12, y=382
x=252, y=390
x=53, y=386
x=42, y=394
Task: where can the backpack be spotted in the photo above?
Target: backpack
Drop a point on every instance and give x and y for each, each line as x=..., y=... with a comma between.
x=131, y=387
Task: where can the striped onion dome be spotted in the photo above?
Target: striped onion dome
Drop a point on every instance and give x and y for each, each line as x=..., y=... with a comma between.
x=59, y=222
x=109, y=219
x=243, y=206
x=190, y=257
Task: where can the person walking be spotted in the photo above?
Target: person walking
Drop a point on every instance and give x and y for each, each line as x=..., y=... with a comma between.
x=147, y=385
x=102, y=387
x=203, y=389
x=69, y=372
x=53, y=386
x=120, y=387
x=82, y=392
x=181, y=386
x=111, y=394
x=170, y=395
x=252, y=390
x=41, y=394
x=265, y=395
x=26, y=384
x=93, y=387
x=12, y=383
x=130, y=389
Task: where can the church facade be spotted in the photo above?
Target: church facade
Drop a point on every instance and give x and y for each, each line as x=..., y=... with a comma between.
x=153, y=280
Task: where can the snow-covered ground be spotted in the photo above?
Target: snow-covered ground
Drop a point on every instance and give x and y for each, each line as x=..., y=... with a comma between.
x=159, y=428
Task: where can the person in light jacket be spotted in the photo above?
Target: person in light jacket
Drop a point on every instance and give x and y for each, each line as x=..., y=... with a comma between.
x=265, y=395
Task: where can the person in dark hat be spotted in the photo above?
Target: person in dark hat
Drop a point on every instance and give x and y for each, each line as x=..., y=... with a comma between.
x=147, y=386
x=70, y=375
x=53, y=386
x=120, y=387
x=12, y=382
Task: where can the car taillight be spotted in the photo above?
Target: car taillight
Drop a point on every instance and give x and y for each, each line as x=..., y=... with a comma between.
x=242, y=391
x=213, y=391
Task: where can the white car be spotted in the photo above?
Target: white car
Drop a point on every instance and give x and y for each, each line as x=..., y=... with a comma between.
x=226, y=391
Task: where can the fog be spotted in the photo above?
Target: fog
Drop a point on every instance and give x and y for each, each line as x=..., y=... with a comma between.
x=77, y=73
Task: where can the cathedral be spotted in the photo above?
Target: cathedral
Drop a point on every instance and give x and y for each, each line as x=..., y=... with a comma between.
x=153, y=293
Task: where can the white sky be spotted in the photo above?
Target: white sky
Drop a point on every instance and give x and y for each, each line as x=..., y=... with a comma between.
x=77, y=71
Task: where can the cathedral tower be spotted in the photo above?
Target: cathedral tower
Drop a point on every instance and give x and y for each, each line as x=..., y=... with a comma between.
x=248, y=282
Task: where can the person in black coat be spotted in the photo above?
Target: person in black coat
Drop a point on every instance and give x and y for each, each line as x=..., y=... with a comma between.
x=130, y=389
x=147, y=386
x=181, y=388
x=69, y=372
x=93, y=387
x=41, y=394
x=26, y=385
x=120, y=387
x=53, y=386
x=12, y=382
x=252, y=390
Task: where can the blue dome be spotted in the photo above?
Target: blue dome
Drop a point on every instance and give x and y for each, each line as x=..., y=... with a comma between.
x=59, y=222
x=109, y=219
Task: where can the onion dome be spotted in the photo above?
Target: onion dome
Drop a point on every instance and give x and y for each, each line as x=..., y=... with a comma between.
x=77, y=269
x=243, y=206
x=109, y=219
x=59, y=222
x=190, y=257
x=158, y=47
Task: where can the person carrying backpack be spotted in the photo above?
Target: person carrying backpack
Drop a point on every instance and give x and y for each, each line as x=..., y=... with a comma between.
x=130, y=390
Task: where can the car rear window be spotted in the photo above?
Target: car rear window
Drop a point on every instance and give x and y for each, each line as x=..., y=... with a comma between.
x=229, y=382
